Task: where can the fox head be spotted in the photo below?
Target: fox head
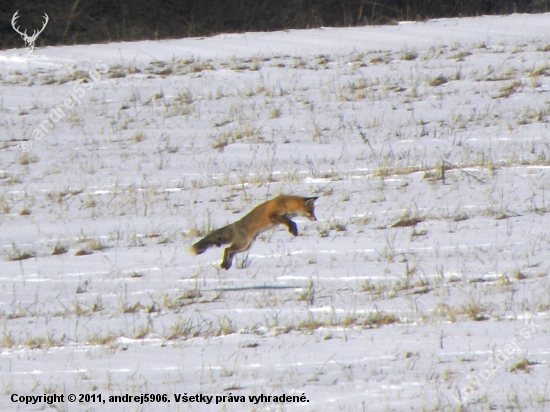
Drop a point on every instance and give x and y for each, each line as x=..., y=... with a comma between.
x=309, y=208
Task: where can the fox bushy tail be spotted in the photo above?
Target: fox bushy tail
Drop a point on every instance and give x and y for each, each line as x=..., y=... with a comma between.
x=218, y=237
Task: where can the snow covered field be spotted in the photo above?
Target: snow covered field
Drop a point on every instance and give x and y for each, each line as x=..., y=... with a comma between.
x=422, y=286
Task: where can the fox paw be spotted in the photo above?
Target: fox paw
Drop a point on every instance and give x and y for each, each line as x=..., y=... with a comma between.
x=293, y=230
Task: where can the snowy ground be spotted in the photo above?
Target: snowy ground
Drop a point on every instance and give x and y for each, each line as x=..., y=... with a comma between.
x=423, y=285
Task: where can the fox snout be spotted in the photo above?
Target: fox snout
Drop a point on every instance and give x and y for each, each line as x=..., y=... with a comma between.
x=309, y=209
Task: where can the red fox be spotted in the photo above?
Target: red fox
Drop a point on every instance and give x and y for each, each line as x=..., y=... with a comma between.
x=242, y=233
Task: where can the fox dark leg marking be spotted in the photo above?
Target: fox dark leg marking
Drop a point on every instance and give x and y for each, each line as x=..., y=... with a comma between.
x=227, y=260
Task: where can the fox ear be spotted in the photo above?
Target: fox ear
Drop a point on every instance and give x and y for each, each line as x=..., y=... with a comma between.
x=311, y=199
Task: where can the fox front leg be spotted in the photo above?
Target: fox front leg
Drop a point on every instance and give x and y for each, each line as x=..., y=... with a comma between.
x=292, y=228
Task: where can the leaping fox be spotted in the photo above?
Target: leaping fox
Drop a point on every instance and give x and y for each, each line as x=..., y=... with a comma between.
x=242, y=233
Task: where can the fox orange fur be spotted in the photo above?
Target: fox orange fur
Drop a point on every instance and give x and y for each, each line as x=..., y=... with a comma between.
x=242, y=233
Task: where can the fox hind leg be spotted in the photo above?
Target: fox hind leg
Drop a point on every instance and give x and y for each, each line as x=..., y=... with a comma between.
x=231, y=251
x=227, y=259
